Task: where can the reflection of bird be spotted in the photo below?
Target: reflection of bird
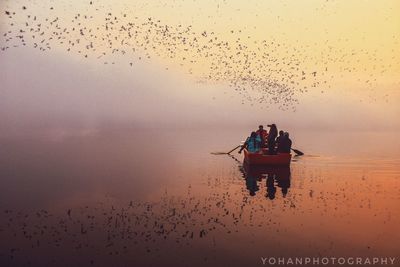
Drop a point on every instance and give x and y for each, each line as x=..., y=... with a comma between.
x=272, y=69
x=139, y=224
x=110, y=229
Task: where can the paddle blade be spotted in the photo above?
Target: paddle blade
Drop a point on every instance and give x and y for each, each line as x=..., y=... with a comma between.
x=224, y=153
x=218, y=153
x=298, y=152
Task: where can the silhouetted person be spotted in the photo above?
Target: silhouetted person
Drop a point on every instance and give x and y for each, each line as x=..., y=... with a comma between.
x=273, y=133
x=279, y=139
x=252, y=144
x=285, y=145
x=271, y=189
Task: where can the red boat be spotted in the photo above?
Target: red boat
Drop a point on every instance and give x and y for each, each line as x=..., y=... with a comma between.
x=262, y=158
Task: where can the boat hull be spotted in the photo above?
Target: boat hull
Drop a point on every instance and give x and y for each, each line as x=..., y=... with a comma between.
x=280, y=159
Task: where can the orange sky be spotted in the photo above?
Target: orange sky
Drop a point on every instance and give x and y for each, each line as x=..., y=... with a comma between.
x=351, y=45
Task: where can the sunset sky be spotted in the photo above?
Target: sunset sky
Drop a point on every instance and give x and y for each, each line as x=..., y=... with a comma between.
x=336, y=63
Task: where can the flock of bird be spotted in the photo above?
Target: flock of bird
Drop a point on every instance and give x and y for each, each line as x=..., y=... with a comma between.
x=262, y=71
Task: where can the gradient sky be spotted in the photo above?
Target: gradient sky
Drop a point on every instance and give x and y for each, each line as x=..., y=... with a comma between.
x=354, y=44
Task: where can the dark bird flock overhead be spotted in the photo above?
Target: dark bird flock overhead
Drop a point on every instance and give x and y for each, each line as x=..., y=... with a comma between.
x=264, y=71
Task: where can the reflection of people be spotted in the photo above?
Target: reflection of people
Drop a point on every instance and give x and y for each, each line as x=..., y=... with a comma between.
x=279, y=176
x=271, y=189
x=283, y=180
x=251, y=184
x=251, y=181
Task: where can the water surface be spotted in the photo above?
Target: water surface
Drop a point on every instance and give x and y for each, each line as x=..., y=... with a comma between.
x=129, y=197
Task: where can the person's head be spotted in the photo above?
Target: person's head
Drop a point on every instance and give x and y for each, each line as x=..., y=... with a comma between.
x=281, y=133
x=273, y=128
x=261, y=127
x=253, y=134
x=287, y=134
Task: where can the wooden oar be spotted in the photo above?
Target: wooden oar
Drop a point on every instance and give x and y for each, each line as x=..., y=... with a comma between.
x=226, y=153
x=298, y=152
x=234, y=149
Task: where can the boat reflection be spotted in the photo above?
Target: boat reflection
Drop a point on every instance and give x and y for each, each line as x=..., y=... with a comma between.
x=274, y=177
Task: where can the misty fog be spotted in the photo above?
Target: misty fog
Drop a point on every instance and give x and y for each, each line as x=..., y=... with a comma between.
x=53, y=91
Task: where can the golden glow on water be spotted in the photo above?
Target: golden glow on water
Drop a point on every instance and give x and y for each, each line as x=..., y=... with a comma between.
x=107, y=197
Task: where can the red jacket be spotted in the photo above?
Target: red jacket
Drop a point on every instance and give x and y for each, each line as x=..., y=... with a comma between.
x=263, y=134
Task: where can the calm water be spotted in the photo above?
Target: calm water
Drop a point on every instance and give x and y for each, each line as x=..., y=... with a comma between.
x=127, y=197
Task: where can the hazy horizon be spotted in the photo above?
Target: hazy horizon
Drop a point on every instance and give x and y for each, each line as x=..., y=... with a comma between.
x=40, y=90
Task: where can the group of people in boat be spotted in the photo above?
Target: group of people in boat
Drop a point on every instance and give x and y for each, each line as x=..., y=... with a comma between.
x=262, y=141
